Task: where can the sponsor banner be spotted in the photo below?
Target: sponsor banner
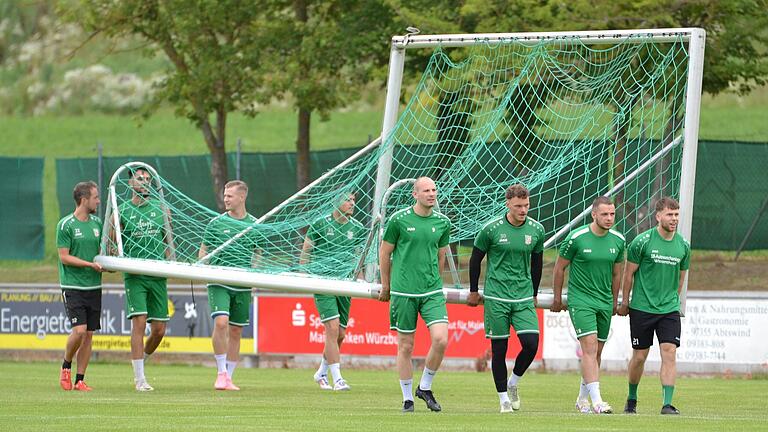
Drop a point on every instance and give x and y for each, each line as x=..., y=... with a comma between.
x=713, y=331
x=39, y=321
x=291, y=325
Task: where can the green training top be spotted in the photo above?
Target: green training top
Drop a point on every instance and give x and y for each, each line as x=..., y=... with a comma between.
x=592, y=258
x=142, y=232
x=83, y=241
x=509, y=248
x=417, y=239
x=240, y=252
x=658, y=274
x=337, y=247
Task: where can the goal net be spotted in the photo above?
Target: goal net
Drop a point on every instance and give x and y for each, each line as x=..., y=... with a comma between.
x=571, y=116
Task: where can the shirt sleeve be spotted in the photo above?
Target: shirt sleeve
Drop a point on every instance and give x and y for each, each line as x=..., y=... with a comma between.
x=686, y=261
x=312, y=233
x=208, y=236
x=620, y=255
x=481, y=241
x=635, y=252
x=392, y=232
x=446, y=237
x=539, y=247
x=568, y=248
x=63, y=236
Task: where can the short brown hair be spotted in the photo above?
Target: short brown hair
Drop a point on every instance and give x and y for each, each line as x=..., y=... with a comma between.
x=601, y=200
x=237, y=184
x=516, y=190
x=667, y=203
x=83, y=190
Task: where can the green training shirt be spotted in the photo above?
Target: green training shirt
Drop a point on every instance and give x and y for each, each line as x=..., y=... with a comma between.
x=83, y=241
x=658, y=274
x=508, y=249
x=240, y=252
x=592, y=258
x=415, y=271
x=143, y=232
x=337, y=247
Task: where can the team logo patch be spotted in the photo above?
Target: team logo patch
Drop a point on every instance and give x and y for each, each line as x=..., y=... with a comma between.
x=528, y=239
x=96, y=232
x=433, y=229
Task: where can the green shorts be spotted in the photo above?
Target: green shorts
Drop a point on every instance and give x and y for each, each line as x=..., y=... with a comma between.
x=146, y=296
x=404, y=311
x=587, y=320
x=235, y=304
x=500, y=315
x=330, y=307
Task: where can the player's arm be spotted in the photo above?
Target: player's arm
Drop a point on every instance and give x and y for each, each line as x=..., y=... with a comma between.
x=474, y=276
x=441, y=255
x=306, y=250
x=74, y=261
x=683, y=273
x=537, y=266
x=616, y=285
x=385, y=267
x=626, y=288
x=557, y=283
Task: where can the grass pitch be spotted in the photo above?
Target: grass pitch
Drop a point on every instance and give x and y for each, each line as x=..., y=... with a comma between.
x=287, y=399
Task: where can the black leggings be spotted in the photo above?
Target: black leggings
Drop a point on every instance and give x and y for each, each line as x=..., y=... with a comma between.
x=529, y=343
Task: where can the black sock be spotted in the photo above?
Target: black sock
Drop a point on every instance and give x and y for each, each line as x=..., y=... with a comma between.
x=530, y=344
x=499, y=363
x=79, y=377
x=66, y=365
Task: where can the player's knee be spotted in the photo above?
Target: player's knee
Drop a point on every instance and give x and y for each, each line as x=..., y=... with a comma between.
x=158, y=331
x=332, y=328
x=668, y=352
x=79, y=331
x=440, y=342
x=640, y=355
x=529, y=342
x=405, y=347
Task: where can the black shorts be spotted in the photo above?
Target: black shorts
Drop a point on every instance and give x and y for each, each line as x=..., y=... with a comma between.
x=83, y=308
x=642, y=325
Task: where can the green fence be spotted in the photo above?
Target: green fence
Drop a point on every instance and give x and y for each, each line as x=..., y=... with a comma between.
x=731, y=186
x=21, y=212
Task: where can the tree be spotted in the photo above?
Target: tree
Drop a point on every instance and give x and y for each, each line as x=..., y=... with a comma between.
x=208, y=44
x=322, y=53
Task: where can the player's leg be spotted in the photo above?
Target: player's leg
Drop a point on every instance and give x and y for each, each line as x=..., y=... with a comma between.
x=93, y=323
x=526, y=324
x=157, y=307
x=77, y=316
x=327, y=310
x=435, y=314
x=585, y=325
x=641, y=327
x=218, y=302
x=603, y=323
x=136, y=311
x=496, y=319
x=334, y=357
x=668, y=331
x=403, y=312
x=239, y=318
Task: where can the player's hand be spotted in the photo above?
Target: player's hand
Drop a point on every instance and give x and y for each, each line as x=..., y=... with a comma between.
x=97, y=267
x=384, y=294
x=557, y=305
x=473, y=299
x=623, y=310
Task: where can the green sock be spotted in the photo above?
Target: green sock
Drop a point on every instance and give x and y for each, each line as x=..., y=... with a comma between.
x=633, y=391
x=668, y=390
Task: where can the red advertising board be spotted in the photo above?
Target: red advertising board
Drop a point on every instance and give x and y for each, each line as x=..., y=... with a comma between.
x=291, y=325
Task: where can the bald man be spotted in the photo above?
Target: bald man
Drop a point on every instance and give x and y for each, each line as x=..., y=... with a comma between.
x=411, y=255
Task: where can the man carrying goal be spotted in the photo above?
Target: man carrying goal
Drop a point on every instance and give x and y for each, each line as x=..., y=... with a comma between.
x=333, y=242
x=657, y=262
x=411, y=255
x=514, y=244
x=230, y=305
x=595, y=254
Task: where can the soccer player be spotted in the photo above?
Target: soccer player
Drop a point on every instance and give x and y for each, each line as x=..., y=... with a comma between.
x=77, y=239
x=143, y=235
x=333, y=242
x=514, y=244
x=657, y=262
x=595, y=254
x=411, y=255
x=230, y=305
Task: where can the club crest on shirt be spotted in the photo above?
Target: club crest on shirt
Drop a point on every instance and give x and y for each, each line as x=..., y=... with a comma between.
x=433, y=229
x=528, y=239
x=350, y=234
x=96, y=232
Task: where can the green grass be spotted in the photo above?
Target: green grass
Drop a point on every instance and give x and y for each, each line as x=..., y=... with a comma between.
x=287, y=399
